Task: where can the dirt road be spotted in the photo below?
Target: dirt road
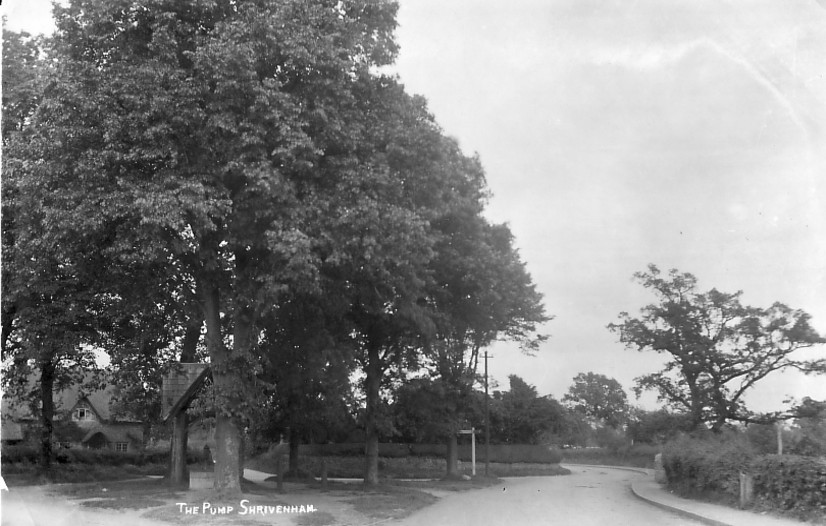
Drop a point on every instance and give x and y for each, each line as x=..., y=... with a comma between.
x=589, y=496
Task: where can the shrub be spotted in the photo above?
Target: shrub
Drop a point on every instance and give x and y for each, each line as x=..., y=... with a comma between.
x=790, y=482
x=709, y=465
x=513, y=453
x=505, y=453
x=19, y=453
x=428, y=450
x=638, y=455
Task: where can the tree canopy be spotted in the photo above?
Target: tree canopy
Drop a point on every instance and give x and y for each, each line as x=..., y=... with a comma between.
x=716, y=347
x=227, y=164
x=598, y=397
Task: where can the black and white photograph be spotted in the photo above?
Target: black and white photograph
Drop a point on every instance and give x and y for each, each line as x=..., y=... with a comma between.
x=413, y=262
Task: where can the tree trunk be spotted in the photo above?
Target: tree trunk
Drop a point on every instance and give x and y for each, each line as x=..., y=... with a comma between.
x=191, y=336
x=178, y=471
x=47, y=374
x=227, y=455
x=452, y=457
x=227, y=434
x=371, y=444
x=294, y=442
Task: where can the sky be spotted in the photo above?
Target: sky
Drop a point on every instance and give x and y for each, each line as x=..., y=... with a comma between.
x=690, y=134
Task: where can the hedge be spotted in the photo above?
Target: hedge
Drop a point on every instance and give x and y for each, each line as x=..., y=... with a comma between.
x=503, y=453
x=712, y=465
x=790, y=482
x=25, y=453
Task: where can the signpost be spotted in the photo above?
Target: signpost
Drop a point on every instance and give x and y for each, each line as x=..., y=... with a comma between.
x=472, y=433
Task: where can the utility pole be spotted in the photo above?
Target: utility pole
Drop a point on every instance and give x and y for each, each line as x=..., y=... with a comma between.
x=487, y=419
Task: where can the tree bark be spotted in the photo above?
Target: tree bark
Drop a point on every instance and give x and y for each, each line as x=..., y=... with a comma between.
x=452, y=457
x=227, y=455
x=227, y=434
x=294, y=442
x=47, y=374
x=191, y=336
x=371, y=439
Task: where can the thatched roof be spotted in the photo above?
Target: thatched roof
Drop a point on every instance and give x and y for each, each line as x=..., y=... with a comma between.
x=66, y=399
x=116, y=433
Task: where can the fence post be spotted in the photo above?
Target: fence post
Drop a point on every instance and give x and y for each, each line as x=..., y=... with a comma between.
x=746, y=490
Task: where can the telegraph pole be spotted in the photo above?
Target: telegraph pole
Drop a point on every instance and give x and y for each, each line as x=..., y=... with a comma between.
x=487, y=419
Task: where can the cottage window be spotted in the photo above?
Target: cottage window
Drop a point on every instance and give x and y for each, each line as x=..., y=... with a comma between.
x=121, y=447
x=82, y=413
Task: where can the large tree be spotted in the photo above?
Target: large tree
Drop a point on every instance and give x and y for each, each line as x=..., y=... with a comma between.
x=481, y=292
x=307, y=366
x=716, y=348
x=197, y=135
x=50, y=297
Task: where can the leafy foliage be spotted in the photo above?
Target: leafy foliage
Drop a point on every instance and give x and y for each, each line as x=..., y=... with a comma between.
x=708, y=465
x=598, y=397
x=657, y=427
x=523, y=417
x=791, y=482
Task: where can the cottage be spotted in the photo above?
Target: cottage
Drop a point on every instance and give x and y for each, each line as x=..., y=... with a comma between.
x=83, y=418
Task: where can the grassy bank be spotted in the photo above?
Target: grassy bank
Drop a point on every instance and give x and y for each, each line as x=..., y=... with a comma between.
x=640, y=456
x=401, y=468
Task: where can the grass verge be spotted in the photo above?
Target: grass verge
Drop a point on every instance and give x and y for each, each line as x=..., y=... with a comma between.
x=32, y=474
x=401, y=468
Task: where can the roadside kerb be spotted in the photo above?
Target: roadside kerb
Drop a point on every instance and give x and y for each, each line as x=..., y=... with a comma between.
x=674, y=509
x=651, y=500
x=653, y=493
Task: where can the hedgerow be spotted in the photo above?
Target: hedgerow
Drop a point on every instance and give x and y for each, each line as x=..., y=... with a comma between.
x=711, y=465
x=790, y=482
x=504, y=453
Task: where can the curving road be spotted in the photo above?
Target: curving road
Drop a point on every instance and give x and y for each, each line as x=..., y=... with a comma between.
x=588, y=496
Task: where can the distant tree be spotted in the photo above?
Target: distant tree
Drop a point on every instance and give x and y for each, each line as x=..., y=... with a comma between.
x=657, y=427
x=598, y=397
x=717, y=348
x=808, y=435
x=424, y=412
x=525, y=416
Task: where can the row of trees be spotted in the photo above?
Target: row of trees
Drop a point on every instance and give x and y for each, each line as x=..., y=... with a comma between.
x=238, y=181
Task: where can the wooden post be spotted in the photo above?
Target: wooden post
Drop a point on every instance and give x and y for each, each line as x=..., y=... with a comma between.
x=473, y=449
x=746, y=490
x=178, y=471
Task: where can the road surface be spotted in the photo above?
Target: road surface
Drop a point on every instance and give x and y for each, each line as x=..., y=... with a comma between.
x=588, y=496
x=32, y=506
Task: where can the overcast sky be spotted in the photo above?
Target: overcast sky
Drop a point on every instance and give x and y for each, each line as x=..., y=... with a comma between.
x=688, y=134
